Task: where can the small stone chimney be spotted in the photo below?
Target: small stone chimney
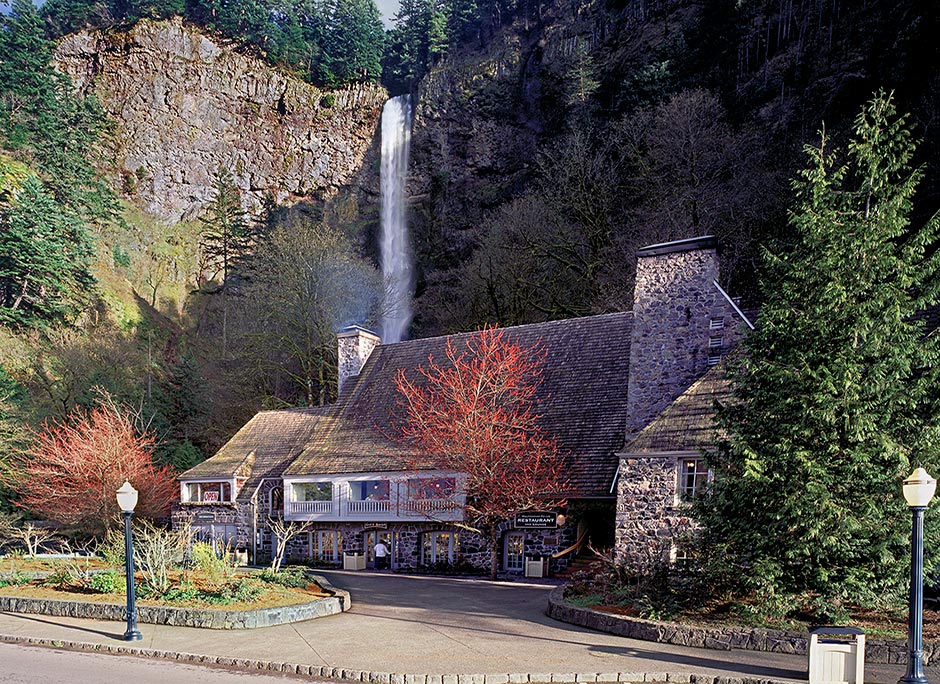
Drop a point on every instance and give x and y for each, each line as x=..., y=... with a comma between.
x=683, y=323
x=354, y=344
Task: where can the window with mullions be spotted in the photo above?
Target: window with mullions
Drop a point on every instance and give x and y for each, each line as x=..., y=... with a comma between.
x=693, y=478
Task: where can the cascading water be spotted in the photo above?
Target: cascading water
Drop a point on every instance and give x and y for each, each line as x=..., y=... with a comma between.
x=396, y=252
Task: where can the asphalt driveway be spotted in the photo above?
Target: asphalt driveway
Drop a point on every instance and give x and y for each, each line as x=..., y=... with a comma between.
x=426, y=625
x=447, y=625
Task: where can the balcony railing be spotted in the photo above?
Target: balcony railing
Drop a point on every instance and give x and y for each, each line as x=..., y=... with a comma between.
x=311, y=507
x=429, y=506
x=370, y=506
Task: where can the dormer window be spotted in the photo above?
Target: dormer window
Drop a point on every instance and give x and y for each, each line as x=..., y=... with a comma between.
x=207, y=492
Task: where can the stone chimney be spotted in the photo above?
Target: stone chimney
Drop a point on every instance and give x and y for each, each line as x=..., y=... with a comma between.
x=683, y=323
x=354, y=344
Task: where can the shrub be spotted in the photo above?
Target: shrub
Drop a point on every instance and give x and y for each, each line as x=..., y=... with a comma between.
x=157, y=551
x=214, y=561
x=242, y=590
x=106, y=582
x=14, y=579
x=60, y=578
x=294, y=578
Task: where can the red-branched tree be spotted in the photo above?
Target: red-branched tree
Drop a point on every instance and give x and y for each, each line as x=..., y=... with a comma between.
x=474, y=414
x=73, y=469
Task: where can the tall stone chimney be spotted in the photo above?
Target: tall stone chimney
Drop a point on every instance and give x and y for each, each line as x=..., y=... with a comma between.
x=683, y=322
x=354, y=344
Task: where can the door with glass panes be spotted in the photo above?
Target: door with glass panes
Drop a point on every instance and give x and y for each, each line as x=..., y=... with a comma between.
x=372, y=538
x=514, y=551
x=439, y=548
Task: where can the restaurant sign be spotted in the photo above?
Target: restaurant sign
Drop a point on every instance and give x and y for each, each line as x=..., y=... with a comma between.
x=536, y=520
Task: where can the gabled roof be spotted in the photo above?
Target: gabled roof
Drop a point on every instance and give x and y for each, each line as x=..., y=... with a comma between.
x=262, y=448
x=582, y=401
x=688, y=423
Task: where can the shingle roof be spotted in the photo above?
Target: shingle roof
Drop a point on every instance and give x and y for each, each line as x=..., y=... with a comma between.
x=687, y=424
x=262, y=448
x=582, y=401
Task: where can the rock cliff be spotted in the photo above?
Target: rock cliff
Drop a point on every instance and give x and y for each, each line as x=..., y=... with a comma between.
x=186, y=104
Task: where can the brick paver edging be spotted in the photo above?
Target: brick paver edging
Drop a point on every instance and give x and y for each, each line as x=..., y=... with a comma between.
x=345, y=674
x=882, y=651
x=214, y=618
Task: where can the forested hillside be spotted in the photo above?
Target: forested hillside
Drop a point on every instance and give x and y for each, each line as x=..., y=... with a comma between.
x=150, y=254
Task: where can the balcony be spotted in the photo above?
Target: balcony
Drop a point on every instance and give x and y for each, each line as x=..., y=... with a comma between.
x=378, y=497
x=310, y=507
x=369, y=507
x=429, y=506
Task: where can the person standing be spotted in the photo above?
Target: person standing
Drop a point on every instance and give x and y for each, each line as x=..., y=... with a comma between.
x=381, y=556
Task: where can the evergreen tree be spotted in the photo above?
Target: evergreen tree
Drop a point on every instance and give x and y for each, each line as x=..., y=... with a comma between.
x=44, y=120
x=226, y=237
x=836, y=392
x=45, y=260
x=354, y=41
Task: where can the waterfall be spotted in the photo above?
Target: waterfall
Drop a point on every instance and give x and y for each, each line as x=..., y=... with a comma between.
x=396, y=252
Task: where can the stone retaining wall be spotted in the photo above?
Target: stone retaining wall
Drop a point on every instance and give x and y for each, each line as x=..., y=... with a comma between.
x=883, y=651
x=188, y=617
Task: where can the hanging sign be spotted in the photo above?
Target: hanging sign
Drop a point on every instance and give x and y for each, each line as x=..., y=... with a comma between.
x=375, y=526
x=536, y=520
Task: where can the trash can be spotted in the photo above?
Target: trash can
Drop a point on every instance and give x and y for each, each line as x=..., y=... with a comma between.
x=354, y=561
x=534, y=566
x=836, y=655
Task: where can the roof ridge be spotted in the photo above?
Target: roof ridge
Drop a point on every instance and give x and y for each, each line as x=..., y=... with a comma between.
x=557, y=321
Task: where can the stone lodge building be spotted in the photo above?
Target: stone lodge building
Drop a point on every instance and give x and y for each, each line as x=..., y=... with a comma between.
x=628, y=396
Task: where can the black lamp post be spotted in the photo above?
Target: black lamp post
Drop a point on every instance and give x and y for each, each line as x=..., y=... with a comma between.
x=919, y=489
x=127, y=500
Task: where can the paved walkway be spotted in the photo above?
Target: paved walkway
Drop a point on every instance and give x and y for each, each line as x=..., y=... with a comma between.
x=436, y=626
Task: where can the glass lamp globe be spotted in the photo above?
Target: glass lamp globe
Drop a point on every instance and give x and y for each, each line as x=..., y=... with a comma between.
x=919, y=488
x=127, y=497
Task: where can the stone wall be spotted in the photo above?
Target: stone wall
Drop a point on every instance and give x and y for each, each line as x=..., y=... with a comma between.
x=675, y=300
x=649, y=517
x=216, y=618
x=724, y=638
x=186, y=104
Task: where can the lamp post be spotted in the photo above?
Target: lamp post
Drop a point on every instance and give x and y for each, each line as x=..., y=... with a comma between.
x=127, y=500
x=919, y=489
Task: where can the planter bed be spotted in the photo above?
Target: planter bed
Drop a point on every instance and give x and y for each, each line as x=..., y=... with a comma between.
x=210, y=618
x=724, y=638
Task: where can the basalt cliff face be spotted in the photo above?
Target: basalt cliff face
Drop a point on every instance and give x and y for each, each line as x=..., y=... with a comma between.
x=187, y=105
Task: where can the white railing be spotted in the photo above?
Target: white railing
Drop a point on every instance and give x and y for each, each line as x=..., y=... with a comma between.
x=369, y=506
x=429, y=506
x=311, y=507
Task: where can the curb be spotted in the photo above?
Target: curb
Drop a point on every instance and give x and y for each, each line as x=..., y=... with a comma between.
x=877, y=651
x=349, y=675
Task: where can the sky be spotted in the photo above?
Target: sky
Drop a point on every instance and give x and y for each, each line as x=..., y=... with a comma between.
x=388, y=8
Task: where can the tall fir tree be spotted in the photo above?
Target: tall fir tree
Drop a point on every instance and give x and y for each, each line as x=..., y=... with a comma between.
x=226, y=238
x=45, y=260
x=836, y=392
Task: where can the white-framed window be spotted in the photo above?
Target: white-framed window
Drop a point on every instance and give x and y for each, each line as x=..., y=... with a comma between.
x=431, y=487
x=207, y=492
x=717, y=323
x=369, y=490
x=325, y=545
x=312, y=491
x=682, y=553
x=693, y=477
x=439, y=547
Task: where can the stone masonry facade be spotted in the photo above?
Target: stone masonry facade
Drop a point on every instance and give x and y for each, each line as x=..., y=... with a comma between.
x=650, y=518
x=676, y=304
